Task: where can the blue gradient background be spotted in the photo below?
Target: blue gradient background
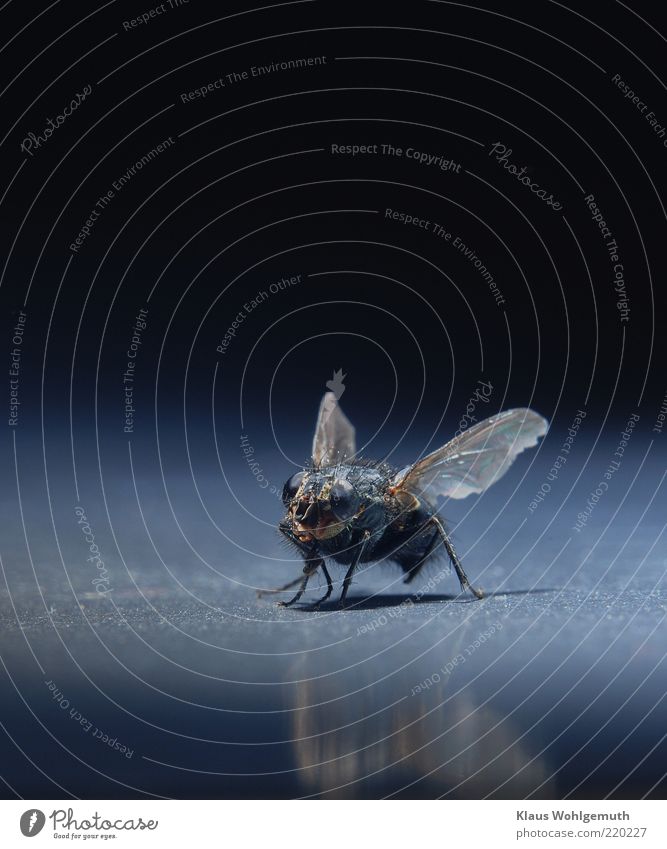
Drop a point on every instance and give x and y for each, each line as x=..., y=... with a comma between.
x=216, y=693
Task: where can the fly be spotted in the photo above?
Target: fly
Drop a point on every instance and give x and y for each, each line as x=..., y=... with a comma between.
x=353, y=511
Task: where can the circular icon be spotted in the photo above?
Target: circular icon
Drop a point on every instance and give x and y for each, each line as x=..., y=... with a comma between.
x=32, y=822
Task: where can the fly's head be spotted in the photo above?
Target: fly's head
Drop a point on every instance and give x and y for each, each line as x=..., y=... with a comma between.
x=321, y=503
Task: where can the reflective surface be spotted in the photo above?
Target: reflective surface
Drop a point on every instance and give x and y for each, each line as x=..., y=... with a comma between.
x=554, y=685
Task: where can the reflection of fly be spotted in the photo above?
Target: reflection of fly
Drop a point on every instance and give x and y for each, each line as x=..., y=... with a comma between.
x=357, y=511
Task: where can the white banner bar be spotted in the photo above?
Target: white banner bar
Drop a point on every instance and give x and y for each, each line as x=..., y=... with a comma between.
x=329, y=824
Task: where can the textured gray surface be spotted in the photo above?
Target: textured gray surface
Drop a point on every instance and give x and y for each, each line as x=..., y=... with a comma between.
x=553, y=685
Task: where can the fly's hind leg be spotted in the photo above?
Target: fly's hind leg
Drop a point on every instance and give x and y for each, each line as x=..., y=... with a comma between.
x=453, y=556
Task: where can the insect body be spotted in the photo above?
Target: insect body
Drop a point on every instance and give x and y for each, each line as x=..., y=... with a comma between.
x=355, y=511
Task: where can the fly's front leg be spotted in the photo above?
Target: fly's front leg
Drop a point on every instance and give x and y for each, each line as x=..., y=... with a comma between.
x=355, y=561
x=453, y=556
x=288, y=586
x=311, y=566
x=309, y=569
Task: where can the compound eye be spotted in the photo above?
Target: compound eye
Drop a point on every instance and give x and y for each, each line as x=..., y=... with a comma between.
x=292, y=487
x=344, y=500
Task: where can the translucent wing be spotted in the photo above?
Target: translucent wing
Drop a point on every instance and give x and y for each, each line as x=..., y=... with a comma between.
x=334, y=439
x=477, y=458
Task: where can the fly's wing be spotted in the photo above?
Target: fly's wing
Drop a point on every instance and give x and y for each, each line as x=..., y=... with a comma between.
x=477, y=458
x=334, y=439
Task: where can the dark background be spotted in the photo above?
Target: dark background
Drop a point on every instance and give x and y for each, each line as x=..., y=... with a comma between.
x=219, y=694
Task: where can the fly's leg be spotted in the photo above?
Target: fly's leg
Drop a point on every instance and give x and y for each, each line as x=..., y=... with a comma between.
x=348, y=577
x=329, y=588
x=262, y=593
x=309, y=569
x=312, y=564
x=463, y=578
